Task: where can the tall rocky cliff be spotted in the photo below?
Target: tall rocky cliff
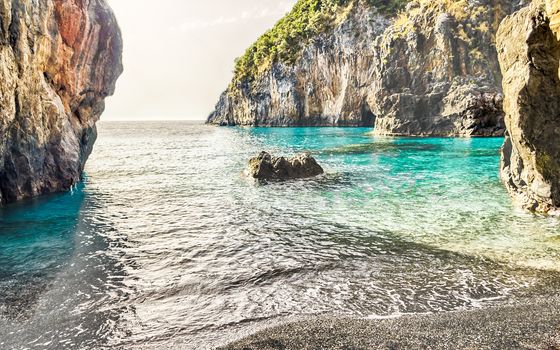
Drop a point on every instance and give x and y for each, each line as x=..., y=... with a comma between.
x=421, y=67
x=59, y=59
x=529, y=51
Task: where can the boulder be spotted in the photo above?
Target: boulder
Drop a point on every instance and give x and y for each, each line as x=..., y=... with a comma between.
x=268, y=167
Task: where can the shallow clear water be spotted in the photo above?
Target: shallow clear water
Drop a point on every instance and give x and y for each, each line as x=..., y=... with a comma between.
x=167, y=244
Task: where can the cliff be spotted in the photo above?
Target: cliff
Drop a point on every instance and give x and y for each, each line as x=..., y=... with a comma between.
x=422, y=67
x=529, y=52
x=59, y=59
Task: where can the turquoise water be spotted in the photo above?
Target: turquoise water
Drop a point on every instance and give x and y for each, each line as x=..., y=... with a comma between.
x=167, y=244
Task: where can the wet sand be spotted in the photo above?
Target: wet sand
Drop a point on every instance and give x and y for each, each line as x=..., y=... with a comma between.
x=527, y=325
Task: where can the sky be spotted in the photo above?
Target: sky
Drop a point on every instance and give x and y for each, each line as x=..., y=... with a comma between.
x=179, y=54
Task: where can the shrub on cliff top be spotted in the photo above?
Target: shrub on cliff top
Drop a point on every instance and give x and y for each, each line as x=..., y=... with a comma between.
x=285, y=41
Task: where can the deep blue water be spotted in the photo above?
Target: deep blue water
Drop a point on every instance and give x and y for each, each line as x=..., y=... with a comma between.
x=166, y=243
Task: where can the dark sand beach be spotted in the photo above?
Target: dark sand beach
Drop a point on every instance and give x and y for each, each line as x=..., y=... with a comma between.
x=525, y=325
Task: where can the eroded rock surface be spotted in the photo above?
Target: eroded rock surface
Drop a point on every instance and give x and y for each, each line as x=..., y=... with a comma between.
x=59, y=59
x=529, y=51
x=429, y=70
x=438, y=71
x=267, y=167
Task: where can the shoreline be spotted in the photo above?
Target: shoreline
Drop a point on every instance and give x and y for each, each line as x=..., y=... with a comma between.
x=523, y=325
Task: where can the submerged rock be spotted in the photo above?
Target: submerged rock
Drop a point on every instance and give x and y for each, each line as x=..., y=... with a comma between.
x=426, y=69
x=267, y=167
x=59, y=60
x=529, y=51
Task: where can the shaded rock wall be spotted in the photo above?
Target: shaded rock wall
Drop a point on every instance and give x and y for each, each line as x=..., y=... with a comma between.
x=430, y=70
x=59, y=59
x=529, y=51
x=439, y=72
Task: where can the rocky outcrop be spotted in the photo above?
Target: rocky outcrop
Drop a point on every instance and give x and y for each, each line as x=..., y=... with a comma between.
x=529, y=51
x=59, y=59
x=429, y=70
x=267, y=167
x=438, y=71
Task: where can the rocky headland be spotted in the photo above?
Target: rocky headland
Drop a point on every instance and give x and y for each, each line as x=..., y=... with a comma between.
x=529, y=51
x=420, y=67
x=59, y=60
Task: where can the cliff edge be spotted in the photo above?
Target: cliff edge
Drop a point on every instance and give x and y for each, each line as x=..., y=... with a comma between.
x=59, y=59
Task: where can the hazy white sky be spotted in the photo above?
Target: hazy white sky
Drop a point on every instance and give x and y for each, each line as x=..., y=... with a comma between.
x=178, y=54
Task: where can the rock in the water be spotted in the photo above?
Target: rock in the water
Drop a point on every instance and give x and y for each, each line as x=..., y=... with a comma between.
x=59, y=59
x=529, y=51
x=428, y=70
x=268, y=167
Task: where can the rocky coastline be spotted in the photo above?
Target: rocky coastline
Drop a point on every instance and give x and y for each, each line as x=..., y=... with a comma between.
x=529, y=51
x=428, y=70
x=60, y=59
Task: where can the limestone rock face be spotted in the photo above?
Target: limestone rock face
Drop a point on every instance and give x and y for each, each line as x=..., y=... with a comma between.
x=439, y=72
x=429, y=70
x=267, y=167
x=529, y=51
x=327, y=86
x=59, y=59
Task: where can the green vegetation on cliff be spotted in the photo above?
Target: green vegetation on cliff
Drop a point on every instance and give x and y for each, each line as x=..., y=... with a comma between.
x=285, y=41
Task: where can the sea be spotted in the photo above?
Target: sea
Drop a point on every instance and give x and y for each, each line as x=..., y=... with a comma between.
x=167, y=244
